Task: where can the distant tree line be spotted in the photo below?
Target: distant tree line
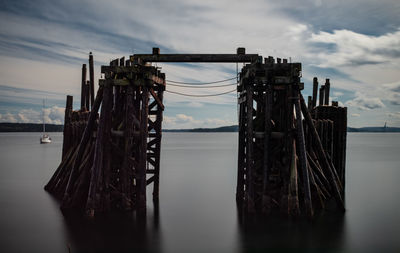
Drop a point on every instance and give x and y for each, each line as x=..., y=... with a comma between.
x=29, y=127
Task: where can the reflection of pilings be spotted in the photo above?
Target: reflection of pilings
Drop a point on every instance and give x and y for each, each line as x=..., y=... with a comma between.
x=284, y=234
x=117, y=232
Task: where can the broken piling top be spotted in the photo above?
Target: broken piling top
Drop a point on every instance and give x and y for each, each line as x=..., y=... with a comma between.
x=121, y=73
x=277, y=73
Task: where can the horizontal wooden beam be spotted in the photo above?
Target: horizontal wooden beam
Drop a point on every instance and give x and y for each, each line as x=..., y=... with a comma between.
x=118, y=133
x=217, y=58
x=274, y=135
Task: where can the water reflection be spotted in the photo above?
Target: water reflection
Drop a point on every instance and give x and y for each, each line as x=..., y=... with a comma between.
x=118, y=232
x=325, y=233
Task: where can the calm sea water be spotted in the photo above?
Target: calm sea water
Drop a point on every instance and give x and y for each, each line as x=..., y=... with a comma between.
x=197, y=209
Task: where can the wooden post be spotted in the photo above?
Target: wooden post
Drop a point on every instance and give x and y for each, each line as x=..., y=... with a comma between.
x=322, y=156
x=83, y=88
x=87, y=96
x=91, y=76
x=95, y=188
x=293, y=207
x=315, y=91
x=67, y=127
x=128, y=138
x=141, y=172
x=267, y=131
x=241, y=154
x=327, y=88
x=158, y=129
x=302, y=155
x=249, y=149
x=82, y=145
x=321, y=95
x=122, y=61
x=309, y=104
x=343, y=122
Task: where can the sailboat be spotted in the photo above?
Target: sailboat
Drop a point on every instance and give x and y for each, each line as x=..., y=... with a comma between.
x=45, y=137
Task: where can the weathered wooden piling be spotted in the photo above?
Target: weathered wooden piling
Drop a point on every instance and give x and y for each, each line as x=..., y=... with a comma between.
x=83, y=88
x=91, y=76
x=321, y=95
x=326, y=91
x=315, y=92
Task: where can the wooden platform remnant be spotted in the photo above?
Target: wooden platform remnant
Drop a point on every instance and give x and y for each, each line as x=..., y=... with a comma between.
x=109, y=159
x=291, y=156
x=288, y=160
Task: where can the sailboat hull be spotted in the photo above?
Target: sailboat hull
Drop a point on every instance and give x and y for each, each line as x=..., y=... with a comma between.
x=45, y=140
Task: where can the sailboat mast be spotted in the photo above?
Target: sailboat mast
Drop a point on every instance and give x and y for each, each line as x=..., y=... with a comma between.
x=44, y=126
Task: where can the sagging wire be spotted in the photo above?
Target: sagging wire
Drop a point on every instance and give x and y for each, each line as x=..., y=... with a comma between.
x=220, y=81
x=200, y=86
x=198, y=95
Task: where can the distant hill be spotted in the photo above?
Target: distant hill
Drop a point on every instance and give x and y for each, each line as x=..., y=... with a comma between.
x=29, y=127
x=374, y=129
x=233, y=128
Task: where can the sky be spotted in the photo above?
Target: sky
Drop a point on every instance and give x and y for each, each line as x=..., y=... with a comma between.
x=356, y=44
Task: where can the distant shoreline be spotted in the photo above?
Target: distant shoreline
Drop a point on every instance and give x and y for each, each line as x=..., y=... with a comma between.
x=32, y=127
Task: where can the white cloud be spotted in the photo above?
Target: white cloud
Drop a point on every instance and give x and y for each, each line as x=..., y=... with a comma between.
x=364, y=102
x=354, y=49
x=183, y=121
x=356, y=115
x=395, y=115
x=53, y=115
x=8, y=117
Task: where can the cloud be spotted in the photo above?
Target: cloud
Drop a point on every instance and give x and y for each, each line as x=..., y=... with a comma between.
x=356, y=115
x=355, y=49
x=53, y=115
x=395, y=115
x=363, y=16
x=8, y=117
x=363, y=102
x=391, y=92
x=183, y=121
x=337, y=93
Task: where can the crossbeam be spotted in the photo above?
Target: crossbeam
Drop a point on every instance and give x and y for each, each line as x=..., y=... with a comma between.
x=240, y=56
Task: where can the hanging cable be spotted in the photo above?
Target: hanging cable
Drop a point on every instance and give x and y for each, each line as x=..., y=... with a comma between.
x=220, y=81
x=201, y=86
x=197, y=95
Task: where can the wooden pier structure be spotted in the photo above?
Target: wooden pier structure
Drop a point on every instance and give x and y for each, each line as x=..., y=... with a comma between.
x=291, y=156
